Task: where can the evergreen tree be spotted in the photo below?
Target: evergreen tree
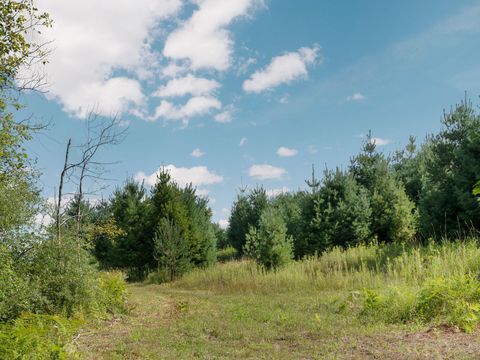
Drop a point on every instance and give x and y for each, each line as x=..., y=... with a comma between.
x=269, y=245
x=134, y=249
x=392, y=216
x=239, y=222
x=170, y=250
x=342, y=213
x=447, y=205
x=409, y=167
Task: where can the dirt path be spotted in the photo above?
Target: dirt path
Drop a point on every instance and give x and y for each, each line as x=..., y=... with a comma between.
x=169, y=323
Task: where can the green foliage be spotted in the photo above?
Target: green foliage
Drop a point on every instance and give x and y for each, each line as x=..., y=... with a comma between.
x=14, y=291
x=65, y=276
x=37, y=337
x=221, y=236
x=454, y=301
x=113, y=292
x=246, y=212
x=409, y=167
x=269, y=245
x=392, y=215
x=133, y=250
x=394, y=305
x=342, y=213
x=447, y=205
x=239, y=222
x=19, y=17
x=290, y=207
x=227, y=254
x=171, y=250
x=476, y=189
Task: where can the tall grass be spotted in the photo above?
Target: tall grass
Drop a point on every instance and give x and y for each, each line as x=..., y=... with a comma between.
x=364, y=266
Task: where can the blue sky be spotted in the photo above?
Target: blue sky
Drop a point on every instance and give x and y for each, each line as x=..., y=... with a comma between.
x=249, y=91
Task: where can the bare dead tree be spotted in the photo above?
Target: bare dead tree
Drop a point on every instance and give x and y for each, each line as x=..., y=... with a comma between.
x=66, y=168
x=100, y=132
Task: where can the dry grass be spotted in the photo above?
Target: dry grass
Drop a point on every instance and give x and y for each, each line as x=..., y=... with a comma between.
x=237, y=311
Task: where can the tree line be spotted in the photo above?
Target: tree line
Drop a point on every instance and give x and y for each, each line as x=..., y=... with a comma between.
x=423, y=192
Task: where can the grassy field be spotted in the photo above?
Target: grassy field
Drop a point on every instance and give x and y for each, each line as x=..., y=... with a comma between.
x=314, y=309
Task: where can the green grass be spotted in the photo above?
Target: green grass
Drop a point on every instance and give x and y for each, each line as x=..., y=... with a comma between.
x=358, y=303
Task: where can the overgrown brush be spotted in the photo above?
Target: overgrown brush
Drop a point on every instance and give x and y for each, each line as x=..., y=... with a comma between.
x=454, y=301
x=37, y=337
x=364, y=266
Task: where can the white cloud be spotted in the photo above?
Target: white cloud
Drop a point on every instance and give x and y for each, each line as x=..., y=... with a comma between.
x=223, y=223
x=225, y=211
x=197, y=176
x=202, y=192
x=226, y=116
x=286, y=152
x=197, y=153
x=173, y=69
x=124, y=123
x=195, y=106
x=91, y=40
x=380, y=141
x=356, y=97
x=282, y=69
x=187, y=85
x=243, y=140
x=277, y=191
x=203, y=39
x=266, y=172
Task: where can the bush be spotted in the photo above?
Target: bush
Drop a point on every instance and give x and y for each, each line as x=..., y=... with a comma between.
x=65, y=276
x=37, y=337
x=113, y=292
x=14, y=291
x=395, y=305
x=454, y=301
x=269, y=246
x=227, y=254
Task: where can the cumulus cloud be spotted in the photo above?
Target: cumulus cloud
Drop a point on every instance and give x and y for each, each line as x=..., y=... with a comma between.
x=203, y=39
x=286, y=152
x=223, y=223
x=380, y=141
x=226, y=115
x=356, y=97
x=197, y=176
x=173, y=69
x=282, y=69
x=195, y=106
x=197, y=153
x=187, y=85
x=266, y=172
x=90, y=45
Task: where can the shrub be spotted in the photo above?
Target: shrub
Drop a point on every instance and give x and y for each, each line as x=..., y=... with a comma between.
x=395, y=305
x=37, y=337
x=65, y=276
x=113, y=292
x=269, y=246
x=227, y=254
x=455, y=301
x=449, y=300
x=14, y=292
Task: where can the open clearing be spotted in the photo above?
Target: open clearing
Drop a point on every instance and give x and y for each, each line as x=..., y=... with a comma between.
x=169, y=322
